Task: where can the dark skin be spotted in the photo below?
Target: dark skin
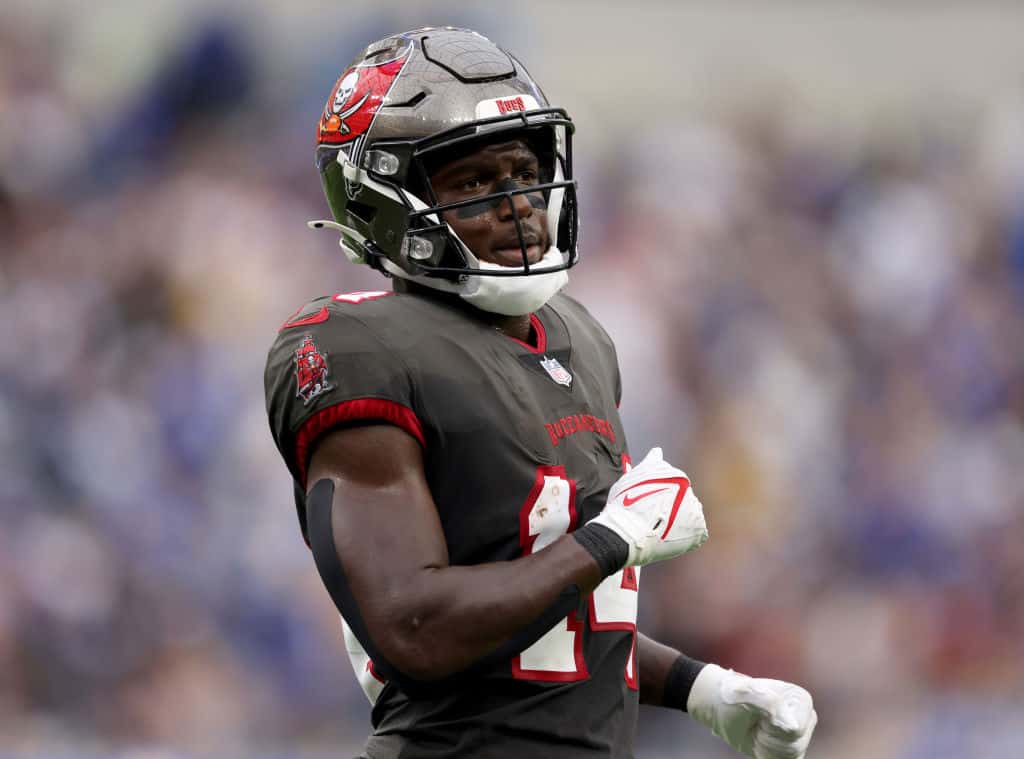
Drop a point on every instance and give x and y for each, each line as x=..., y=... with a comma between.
x=490, y=232
x=429, y=619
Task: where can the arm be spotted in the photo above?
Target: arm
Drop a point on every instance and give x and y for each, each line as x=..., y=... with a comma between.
x=656, y=661
x=428, y=619
x=761, y=718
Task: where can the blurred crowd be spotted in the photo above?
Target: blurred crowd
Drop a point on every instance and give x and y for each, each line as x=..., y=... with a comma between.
x=825, y=328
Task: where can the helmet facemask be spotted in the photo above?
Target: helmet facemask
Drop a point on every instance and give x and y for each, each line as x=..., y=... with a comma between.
x=389, y=202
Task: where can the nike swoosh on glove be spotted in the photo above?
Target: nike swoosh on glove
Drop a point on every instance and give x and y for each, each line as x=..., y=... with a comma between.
x=760, y=718
x=653, y=508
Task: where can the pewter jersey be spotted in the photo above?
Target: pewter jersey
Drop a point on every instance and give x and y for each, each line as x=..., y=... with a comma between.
x=521, y=443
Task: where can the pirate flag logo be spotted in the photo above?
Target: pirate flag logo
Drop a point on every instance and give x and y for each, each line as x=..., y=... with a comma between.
x=356, y=98
x=310, y=371
x=341, y=109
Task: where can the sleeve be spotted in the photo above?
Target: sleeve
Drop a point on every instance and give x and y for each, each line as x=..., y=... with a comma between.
x=329, y=369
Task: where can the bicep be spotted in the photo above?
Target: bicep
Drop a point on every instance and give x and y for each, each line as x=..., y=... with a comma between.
x=384, y=521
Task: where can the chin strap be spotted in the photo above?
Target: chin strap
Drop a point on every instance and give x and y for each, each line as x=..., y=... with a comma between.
x=517, y=296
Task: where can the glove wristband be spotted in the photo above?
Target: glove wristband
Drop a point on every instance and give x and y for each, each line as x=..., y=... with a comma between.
x=679, y=681
x=609, y=550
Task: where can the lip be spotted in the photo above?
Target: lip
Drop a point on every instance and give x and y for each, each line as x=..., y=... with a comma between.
x=513, y=256
x=512, y=243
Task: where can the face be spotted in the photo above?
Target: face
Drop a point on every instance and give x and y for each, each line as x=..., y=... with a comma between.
x=488, y=228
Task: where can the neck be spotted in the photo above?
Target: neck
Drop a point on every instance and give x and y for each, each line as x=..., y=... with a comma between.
x=513, y=326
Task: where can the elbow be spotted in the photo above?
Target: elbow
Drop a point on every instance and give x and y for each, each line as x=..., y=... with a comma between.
x=414, y=652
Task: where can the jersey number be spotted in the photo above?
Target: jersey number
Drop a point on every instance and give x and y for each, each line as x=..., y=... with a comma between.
x=548, y=513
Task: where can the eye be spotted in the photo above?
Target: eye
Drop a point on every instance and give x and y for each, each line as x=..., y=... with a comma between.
x=469, y=184
x=527, y=176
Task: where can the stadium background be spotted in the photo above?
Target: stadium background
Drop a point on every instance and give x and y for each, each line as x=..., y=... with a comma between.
x=803, y=224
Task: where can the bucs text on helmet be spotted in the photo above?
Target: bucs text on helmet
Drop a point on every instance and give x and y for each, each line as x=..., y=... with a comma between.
x=406, y=104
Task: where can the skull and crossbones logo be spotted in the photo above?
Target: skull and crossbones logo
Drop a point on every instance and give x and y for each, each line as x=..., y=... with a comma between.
x=346, y=89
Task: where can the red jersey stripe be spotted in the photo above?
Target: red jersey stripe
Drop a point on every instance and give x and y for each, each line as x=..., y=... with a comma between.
x=359, y=408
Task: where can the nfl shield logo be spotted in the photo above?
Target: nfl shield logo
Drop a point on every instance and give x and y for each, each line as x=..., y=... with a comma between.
x=556, y=371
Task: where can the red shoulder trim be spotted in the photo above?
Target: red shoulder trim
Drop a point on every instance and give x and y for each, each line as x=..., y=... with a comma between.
x=359, y=408
x=320, y=316
x=323, y=314
x=538, y=330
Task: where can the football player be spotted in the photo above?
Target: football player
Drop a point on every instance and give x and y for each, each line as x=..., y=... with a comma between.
x=461, y=472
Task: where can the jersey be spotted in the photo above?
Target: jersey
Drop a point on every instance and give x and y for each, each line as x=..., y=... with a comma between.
x=521, y=443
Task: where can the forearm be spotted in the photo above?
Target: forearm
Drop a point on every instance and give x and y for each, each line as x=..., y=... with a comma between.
x=666, y=675
x=446, y=619
x=380, y=548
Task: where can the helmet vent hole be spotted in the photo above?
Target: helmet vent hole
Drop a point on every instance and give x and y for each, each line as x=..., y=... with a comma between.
x=412, y=102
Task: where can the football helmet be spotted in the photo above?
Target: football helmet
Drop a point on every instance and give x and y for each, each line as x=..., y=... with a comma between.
x=410, y=102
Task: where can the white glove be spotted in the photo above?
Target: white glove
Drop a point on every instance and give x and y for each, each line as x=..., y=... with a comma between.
x=760, y=718
x=653, y=508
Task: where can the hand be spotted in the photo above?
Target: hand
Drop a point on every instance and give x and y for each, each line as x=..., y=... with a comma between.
x=653, y=508
x=760, y=718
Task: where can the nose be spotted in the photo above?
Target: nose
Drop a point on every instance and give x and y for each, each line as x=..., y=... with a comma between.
x=521, y=202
